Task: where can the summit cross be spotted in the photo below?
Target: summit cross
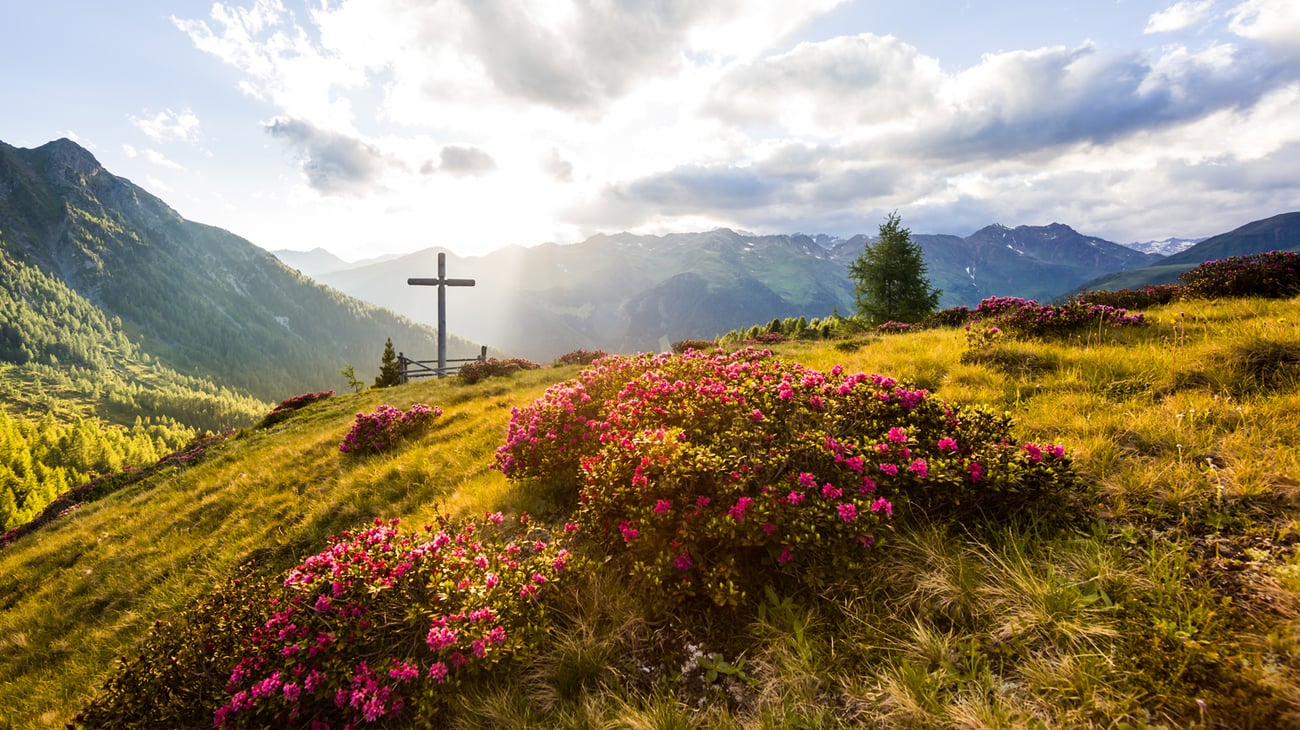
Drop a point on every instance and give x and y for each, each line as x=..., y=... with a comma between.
x=442, y=282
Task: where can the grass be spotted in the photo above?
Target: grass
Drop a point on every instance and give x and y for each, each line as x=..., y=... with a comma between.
x=1172, y=601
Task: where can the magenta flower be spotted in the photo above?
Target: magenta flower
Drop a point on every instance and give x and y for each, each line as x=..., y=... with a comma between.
x=848, y=511
x=683, y=561
x=897, y=435
x=919, y=467
x=889, y=469
x=663, y=506
x=947, y=444
x=830, y=491
x=786, y=555
x=737, y=511
x=795, y=497
x=882, y=505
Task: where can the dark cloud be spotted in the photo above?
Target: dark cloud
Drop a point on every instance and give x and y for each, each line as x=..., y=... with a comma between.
x=692, y=188
x=333, y=162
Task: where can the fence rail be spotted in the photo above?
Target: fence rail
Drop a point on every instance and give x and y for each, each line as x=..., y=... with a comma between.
x=409, y=368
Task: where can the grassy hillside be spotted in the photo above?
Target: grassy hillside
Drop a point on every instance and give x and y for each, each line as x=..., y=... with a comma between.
x=1169, y=597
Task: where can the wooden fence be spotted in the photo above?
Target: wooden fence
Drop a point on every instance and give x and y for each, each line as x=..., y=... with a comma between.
x=429, y=368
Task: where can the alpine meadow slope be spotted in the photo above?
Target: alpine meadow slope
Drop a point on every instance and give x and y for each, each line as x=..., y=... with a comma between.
x=1160, y=589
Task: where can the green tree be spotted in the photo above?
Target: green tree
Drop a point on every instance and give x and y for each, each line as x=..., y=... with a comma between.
x=349, y=373
x=390, y=371
x=889, y=278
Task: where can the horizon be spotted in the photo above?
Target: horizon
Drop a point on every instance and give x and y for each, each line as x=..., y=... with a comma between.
x=369, y=131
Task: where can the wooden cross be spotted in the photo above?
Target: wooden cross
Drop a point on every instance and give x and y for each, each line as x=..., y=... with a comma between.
x=442, y=282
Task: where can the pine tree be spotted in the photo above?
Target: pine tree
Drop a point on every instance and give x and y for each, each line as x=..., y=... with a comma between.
x=390, y=371
x=889, y=277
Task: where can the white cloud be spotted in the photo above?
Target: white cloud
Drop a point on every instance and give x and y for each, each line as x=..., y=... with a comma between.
x=1179, y=16
x=160, y=159
x=1276, y=22
x=167, y=125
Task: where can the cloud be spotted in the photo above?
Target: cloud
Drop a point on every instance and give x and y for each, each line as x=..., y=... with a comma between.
x=1275, y=22
x=462, y=162
x=556, y=166
x=167, y=125
x=331, y=162
x=1179, y=16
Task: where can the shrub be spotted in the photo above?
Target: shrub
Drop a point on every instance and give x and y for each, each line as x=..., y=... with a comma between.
x=1026, y=317
x=712, y=474
x=1147, y=296
x=376, y=432
x=682, y=346
x=580, y=357
x=289, y=406
x=1273, y=275
x=381, y=621
x=472, y=372
x=951, y=317
x=893, y=328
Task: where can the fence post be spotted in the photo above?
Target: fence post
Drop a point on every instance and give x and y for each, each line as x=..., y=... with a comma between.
x=401, y=368
x=482, y=354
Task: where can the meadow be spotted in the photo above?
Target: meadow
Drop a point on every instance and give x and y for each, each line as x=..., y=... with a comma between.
x=1155, y=587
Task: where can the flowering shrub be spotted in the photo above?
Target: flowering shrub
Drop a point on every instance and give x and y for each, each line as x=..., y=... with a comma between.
x=710, y=473
x=765, y=338
x=1026, y=317
x=580, y=357
x=288, y=406
x=381, y=621
x=950, y=317
x=373, y=433
x=893, y=328
x=1274, y=275
x=682, y=346
x=1147, y=296
x=472, y=372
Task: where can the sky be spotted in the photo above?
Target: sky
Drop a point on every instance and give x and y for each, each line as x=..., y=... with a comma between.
x=378, y=127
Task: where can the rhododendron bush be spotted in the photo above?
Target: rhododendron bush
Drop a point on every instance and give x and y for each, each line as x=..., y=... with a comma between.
x=382, y=620
x=373, y=433
x=711, y=473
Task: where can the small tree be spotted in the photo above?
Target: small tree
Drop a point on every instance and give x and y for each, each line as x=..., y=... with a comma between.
x=349, y=373
x=390, y=371
x=889, y=277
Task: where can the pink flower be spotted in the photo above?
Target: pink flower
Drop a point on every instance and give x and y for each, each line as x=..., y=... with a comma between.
x=440, y=638
x=882, y=505
x=438, y=672
x=919, y=467
x=497, y=635
x=868, y=485
x=854, y=463
x=848, y=511
x=1056, y=450
x=1035, y=453
x=947, y=444
x=786, y=555
x=830, y=491
x=889, y=469
x=756, y=415
x=976, y=471
x=897, y=435
x=769, y=528
x=491, y=581
x=495, y=517
x=702, y=501
x=683, y=561
x=795, y=497
x=737, y=511
x=663, y=506
x=291, y=691
x=629, y=532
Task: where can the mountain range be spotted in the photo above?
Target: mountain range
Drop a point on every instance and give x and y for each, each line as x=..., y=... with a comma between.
x=194, y=299
x=628, y=292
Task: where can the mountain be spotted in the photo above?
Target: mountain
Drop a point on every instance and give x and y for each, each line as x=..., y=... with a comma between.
x=620, y=292
x=627, y=292
x=311, y=263
x=203, y=301
x=1164, y=246
x=1278, y=233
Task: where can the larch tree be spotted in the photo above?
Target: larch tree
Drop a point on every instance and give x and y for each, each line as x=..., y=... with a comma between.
x=889, y=278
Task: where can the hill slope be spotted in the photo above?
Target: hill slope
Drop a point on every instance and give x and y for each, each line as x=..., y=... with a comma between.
x=200, y=299
x=1176, y=584
x=1278, y=233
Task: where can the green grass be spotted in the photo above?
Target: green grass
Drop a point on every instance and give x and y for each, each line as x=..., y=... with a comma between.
x=1173, y=600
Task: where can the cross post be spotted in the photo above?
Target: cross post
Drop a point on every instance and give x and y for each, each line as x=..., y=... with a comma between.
x=442, y=282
